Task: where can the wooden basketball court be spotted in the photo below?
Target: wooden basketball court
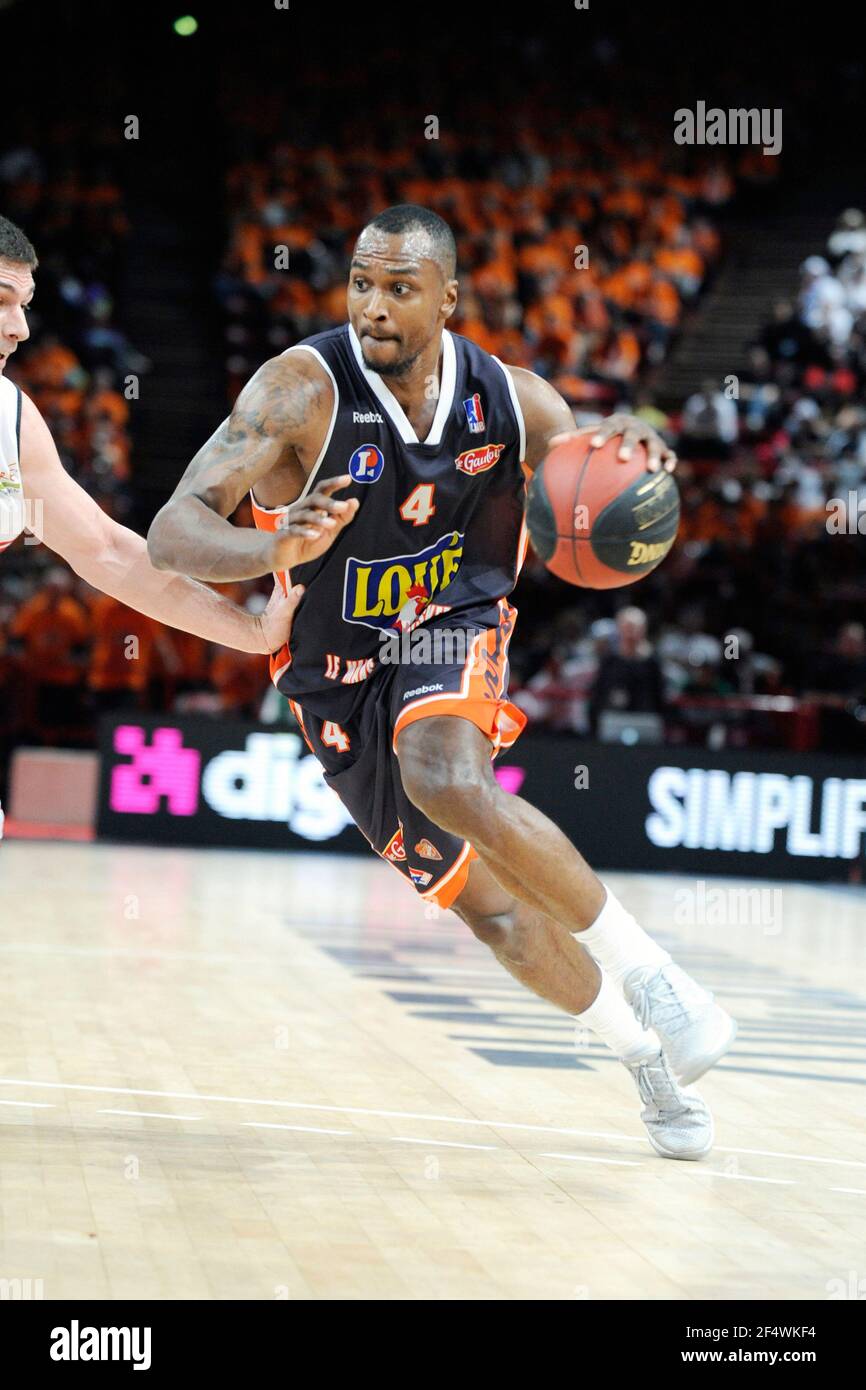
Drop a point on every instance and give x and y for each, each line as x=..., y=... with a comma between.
x=259, y=1076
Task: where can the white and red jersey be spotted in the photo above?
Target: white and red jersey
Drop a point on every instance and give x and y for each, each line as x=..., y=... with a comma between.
x=12, y=509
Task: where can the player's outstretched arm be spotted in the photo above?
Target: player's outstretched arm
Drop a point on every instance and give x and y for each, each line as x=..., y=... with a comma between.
x=286, y=406
x=114, y=559
x=549, y=421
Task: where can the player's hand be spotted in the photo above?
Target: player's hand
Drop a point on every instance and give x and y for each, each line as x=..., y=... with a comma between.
x=634, y=431
x=312, y=524
x=275, y=623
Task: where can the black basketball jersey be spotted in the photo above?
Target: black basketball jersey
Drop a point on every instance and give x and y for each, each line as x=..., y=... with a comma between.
x=439, y=529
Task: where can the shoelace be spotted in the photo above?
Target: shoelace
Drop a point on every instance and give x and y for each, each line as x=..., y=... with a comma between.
x=672, y=1013
x=648, y=1087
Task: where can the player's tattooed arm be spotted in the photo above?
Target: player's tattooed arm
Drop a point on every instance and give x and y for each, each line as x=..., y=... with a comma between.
x=283, y=412
x=549, y=422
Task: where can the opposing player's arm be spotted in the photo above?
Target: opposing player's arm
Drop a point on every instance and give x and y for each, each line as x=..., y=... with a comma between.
x=114, y=559
x=286, y=406
x=549, y=421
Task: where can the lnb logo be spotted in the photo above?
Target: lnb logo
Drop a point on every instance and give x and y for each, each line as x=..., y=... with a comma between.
x=700, y=808
x=266, y=780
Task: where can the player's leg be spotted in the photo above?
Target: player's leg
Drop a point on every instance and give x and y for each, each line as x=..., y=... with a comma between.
x=446, y=771
x=361, y=766
x=547, y=959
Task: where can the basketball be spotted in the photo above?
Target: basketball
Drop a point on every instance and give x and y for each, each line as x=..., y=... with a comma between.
x=597, y=521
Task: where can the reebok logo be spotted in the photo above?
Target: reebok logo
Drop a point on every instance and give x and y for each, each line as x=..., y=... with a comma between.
x=366, y=417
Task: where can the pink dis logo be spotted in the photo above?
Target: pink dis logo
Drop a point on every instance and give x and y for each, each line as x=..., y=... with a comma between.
x=163, y=768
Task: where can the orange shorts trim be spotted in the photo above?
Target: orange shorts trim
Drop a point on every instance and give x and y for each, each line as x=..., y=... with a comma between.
x=299, y=715
x=451, y=884
x=502, y=722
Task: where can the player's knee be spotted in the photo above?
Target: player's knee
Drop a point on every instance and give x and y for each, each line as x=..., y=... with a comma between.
x=449, y=783
x=497, y=930
x=448, y=794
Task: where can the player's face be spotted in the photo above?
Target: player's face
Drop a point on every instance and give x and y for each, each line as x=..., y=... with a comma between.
x=16, y=292
x=397, y=299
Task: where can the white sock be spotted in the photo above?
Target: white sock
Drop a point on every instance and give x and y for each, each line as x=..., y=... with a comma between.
x=611, y=1019
x=618, y=943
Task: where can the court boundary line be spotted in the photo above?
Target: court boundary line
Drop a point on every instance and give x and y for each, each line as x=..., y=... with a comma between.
x=407, y=1115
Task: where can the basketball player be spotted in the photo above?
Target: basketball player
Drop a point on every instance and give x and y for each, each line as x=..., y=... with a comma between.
x=38, y=495
x=434, y=438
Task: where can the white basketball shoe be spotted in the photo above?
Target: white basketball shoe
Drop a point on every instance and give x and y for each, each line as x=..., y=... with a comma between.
x=693, y=1030
x=678, y=1122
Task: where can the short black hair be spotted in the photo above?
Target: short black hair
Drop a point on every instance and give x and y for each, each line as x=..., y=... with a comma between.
x=14, y=245
x=410, y=217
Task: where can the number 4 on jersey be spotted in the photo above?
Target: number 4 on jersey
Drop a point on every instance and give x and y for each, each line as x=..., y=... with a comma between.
x=418, y=507
x=334, y=736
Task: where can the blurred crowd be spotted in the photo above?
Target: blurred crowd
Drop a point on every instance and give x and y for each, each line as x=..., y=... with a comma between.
x=578, y=251
x=764, y=592
x=63, y=189
x=793, y=425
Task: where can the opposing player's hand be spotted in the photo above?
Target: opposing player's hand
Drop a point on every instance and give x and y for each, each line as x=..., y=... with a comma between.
x=276, y=621
x=634, y=431
x=312, y=524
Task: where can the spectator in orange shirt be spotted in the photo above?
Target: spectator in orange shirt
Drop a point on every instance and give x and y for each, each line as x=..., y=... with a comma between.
x=616, y=356
x=123, y=655
x=661, y=304
x=104, y=402
x=52, y=366
x=53, y=627
x=193, y=660
x=238, y=679
x=682, y=264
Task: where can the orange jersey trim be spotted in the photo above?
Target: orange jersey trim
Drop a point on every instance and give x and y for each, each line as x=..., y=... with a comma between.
x=268, y=519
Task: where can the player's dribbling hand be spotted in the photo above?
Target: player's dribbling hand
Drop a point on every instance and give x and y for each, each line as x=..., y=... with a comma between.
x=312, y=524
x=634, y=431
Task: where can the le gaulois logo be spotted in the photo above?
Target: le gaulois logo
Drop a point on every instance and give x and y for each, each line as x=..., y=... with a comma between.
x=474, y=461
